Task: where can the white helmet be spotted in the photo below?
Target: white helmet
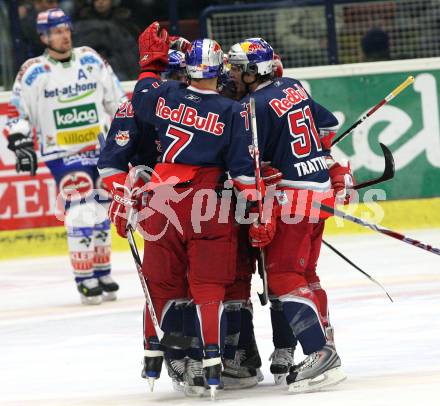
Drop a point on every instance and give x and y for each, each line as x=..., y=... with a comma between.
x=254, y=54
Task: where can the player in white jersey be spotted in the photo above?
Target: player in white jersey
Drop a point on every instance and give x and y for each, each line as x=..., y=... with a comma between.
x=68, y=95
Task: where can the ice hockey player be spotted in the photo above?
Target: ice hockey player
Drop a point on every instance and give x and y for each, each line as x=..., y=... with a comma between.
x=294, y=134
x=202, y=135
x=69, y=95
x=130, y=143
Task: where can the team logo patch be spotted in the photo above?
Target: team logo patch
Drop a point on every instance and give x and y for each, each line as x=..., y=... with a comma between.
x=122, y=138
x=76, y=185
x=192, y=97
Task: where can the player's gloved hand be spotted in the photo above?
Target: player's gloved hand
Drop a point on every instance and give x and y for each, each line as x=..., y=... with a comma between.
x=125, y=202
x=342, y=180
x=261, y=234
x=326, y=136
x=271, y=176
x=154, y=44
x=179, y=44
x=23, y=147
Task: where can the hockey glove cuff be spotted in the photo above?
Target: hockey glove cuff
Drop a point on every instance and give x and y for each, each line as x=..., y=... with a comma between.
x=342, y=180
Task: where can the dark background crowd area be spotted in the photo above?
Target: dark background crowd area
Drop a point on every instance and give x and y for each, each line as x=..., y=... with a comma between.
x=112, y=27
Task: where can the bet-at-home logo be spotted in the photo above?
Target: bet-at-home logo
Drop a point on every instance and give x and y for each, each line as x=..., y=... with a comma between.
x=77, y=116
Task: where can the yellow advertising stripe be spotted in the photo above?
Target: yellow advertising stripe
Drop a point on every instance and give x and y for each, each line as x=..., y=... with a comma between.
x=74, y=137
x=393, y=214
x=396, y=215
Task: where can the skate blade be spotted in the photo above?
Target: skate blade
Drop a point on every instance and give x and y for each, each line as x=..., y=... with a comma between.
x=109, y=296
x=260, y=376
x=279, y=379
x=194, y=391
x=327, y=379
x=213, y=392
x=151, y=384
x=91, y=300
x=178, y=386
x=239, y=383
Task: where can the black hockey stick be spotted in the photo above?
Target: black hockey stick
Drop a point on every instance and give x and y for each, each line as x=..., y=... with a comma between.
x=385, y=100
x=261, y=260
x=171, y=341
x=337, y=252
x=376, y=227
x=387, y=174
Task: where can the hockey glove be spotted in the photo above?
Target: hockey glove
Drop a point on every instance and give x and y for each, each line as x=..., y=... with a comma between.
x=23, y=147
x=180, y=44
x=154, y=44
x=261, y=234
x=326, y=137
x=271, y=176
x=342, y=180
x=125, y=202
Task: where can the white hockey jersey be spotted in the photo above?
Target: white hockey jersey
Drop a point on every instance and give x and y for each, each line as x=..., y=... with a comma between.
x=69, y=104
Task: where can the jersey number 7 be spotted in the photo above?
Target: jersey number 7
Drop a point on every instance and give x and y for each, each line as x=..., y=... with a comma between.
x=301, y=125
x=181, y=139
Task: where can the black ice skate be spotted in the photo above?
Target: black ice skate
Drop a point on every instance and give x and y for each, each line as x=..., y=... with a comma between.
x=153, y=358
x=194, y=379
x=237, y=376
x=90, y=291
x=109, y=287
x=282, y=361
x=319, y=370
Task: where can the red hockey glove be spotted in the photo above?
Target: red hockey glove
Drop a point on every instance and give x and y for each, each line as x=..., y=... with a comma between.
x=154, y=44
x=124, y=200
x=179, y=44
x=270, y=175
x=342, y=180
x=326, y=137
x=261, y=234
x=277, y=66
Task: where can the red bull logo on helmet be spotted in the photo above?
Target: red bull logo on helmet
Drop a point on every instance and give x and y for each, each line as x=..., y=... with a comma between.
x=251, y=47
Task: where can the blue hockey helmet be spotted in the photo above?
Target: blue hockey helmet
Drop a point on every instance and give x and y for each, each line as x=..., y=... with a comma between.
x=204, y=59
x=255, y=55
x=176, y=61
x=52, y=18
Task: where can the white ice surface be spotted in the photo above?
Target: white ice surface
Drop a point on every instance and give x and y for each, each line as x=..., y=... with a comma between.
x=54, y=351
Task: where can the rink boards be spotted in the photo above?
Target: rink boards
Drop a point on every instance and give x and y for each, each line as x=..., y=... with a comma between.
x=409, y=126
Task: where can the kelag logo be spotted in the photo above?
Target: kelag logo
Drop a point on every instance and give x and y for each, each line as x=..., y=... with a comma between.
x=77, y=116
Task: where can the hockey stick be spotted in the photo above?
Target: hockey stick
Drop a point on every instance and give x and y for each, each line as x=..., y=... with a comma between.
x=171, y=341
x=387, y=174
x=356, y=267
x=389, y=97
x=376, y=227
x=261, y=261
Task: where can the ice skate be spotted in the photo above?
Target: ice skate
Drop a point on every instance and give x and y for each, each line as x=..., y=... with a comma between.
x=237, y=376
x=152, y=367
x=109, y=287
x=90, y=291
x=282, y=361
x=194, y=380
x=319, y=370
x=212, y=368
x=176, y=371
